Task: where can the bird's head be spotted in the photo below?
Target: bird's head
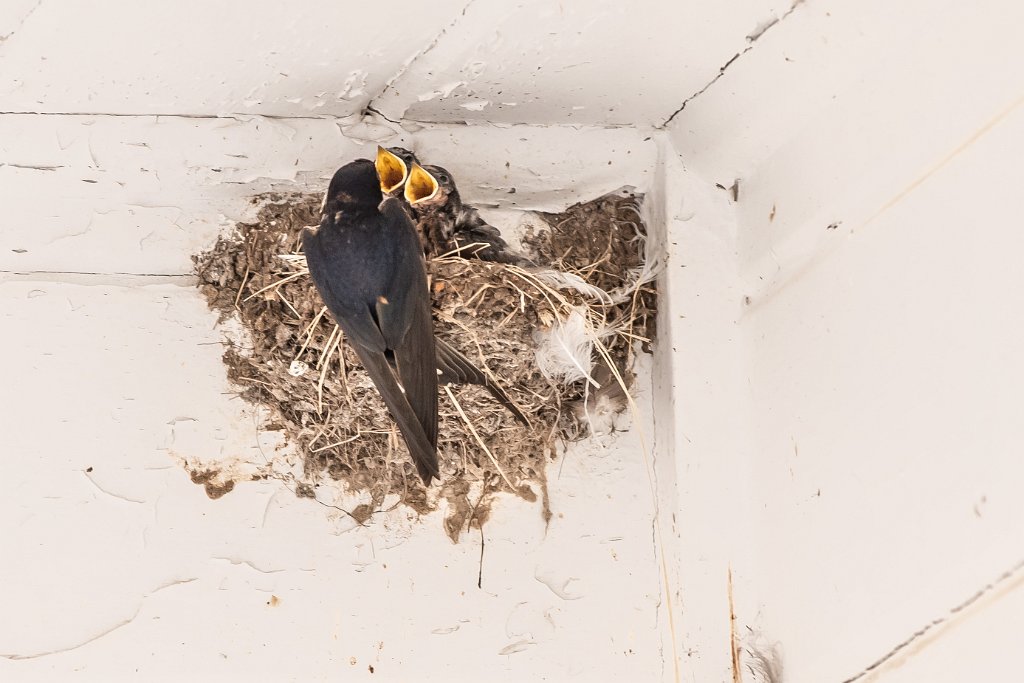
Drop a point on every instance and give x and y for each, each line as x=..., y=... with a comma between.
x=430, y=186
x=354, y=189
x=393, y=166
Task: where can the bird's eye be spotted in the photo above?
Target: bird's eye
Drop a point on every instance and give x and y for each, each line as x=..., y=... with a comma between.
x=443, y=178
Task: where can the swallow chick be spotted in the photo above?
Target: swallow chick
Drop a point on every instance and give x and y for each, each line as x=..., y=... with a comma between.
x=366, y=262
x=393, y=166
x=448, y=224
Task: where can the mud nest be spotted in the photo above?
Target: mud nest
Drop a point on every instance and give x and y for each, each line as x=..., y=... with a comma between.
x=559, y=338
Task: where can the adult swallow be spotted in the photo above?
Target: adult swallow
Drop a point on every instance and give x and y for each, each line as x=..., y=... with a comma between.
x=447, y=224
x=365, y=260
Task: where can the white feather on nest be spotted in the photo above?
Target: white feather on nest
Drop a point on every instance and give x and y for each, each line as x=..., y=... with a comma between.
x=560, y=280
x=565, y=348
x=650, y=267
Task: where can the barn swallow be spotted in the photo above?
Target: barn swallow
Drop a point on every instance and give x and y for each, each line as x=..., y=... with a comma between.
x=366, y=262
x=447, y=224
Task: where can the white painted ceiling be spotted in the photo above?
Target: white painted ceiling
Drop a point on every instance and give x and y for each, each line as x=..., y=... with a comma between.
x=534, y=61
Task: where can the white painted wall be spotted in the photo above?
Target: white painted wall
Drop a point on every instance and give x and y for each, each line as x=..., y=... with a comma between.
x=601, y=62
x=314, y=58
x=844, y=429
x=582, y=62
x=879, y=360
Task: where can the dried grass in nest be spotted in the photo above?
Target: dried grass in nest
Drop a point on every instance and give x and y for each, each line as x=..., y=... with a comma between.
x=299, y=365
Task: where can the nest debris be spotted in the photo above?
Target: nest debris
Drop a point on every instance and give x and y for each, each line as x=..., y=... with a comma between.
x=591, y=270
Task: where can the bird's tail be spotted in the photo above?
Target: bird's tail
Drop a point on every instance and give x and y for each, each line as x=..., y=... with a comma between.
x=424, y=454
x=455, y=368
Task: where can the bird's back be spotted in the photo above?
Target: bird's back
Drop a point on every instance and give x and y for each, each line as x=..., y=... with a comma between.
x=354, y=252
x=369, y=271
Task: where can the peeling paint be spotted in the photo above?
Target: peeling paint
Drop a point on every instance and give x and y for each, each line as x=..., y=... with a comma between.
x=517, y=646
x=558, y=585
x=354, y=86
x=443, y=91
x=477, y=105
x=372, y=105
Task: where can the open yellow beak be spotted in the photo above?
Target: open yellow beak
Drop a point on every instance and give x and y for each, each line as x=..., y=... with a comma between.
x=421, y=186
x=391, y=170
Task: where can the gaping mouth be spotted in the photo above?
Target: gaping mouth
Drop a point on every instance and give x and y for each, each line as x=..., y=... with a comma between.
x=420, y=187
x=391, y=170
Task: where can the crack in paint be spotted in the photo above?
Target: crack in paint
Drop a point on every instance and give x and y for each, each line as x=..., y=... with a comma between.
x=244, y=118
x=415, y=58
x=106, y=632
x=1014, y=572
x=98, y=279
x=239, y=562
x=517, y=646
x=761, y=28
x=31, y=167
x=721, y=72
x=380, y=113
x=16, y=657
x=95, y=274
x=21, y=23
x=752, y=38
x=111, y=493
x=241, y=117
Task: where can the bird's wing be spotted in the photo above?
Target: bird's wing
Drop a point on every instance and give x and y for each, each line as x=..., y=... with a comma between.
x=403, y=313
x=468, y=219
x=406, y=287
x=455, y=368
x=471, y=229
x=356, y=321
x=422, y=448
x=417, y=369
